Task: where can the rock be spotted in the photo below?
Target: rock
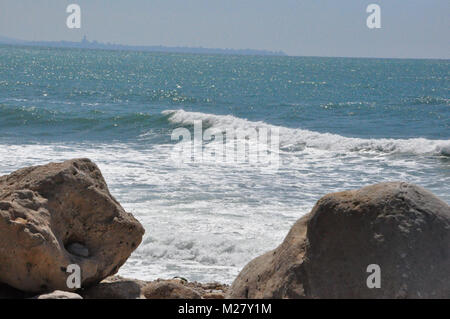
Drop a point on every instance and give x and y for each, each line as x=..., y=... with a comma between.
x=58, y=294
x=78, y=250
x=169, y=290
x=276, y=274
x=216, y=286
x=213, y=290
x=214, y=295
x=59, y=214
x=401, y=227
x=115, y=287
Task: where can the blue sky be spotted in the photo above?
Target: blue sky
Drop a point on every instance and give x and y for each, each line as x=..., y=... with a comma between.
x=410, y=28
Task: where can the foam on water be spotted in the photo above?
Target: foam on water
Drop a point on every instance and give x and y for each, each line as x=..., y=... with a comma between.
x=206, y=221
x=343, y=124
x=292, y=138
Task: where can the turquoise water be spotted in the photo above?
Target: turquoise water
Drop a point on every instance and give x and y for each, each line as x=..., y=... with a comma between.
x=343, y=123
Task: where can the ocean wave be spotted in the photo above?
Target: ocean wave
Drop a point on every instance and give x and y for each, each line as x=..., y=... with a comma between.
x=137, y=124
x=295, y=139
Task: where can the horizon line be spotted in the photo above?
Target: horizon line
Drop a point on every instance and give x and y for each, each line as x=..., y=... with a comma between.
x=94, y=44
x=91, y=45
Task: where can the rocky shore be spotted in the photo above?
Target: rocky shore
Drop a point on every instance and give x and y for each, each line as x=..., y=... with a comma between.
x=117, y=287
x=62, y=214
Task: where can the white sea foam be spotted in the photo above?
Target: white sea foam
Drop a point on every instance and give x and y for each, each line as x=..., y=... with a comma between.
x=291, y=138
x=205, y=222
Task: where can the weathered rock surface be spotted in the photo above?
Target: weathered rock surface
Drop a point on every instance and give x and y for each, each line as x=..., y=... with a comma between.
x=115, y=287
x=214, y=295
x=58, y=294
x=59, y=214
x=401, y=227
x=169, y=290
x=277, y=273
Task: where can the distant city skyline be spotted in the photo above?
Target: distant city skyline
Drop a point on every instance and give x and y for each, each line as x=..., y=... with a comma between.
x=86, y=44
x=409, y=28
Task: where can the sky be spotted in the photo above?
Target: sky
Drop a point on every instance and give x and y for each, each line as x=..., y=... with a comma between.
x=409, y=28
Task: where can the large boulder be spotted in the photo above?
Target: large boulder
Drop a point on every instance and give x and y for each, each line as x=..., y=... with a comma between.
x=60, y=214
x=400, y=227
x=277, y=273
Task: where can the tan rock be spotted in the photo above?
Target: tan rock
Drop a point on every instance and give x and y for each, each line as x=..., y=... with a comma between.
x=58, y=294
x=214, y=295
x=169, y=290
x=115, y=287
x=401, y=227
x=275, y=274
x=59, y=214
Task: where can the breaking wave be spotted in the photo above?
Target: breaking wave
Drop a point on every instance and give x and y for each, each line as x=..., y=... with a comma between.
x=293, y=139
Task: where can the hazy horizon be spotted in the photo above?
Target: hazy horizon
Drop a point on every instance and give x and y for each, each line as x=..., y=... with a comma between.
x=409, y=29
x=93, y=43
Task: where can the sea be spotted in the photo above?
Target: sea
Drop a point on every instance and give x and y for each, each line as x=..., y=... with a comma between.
x=342, y=123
